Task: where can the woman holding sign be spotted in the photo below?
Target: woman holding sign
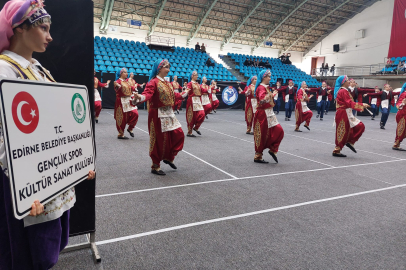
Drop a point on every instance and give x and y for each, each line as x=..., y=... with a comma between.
x=35, y=241
x=165, y=132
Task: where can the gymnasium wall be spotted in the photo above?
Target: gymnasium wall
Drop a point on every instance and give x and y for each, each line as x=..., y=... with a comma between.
x=377, y=22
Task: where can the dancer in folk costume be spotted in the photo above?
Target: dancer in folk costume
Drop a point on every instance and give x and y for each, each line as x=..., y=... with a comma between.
x=400, y=119
x=124, y=112
x=322, y=99
x=34, y=242
x=249, y=103
x=290, y=98
x=214, y=101
x=133, y=83
x=302, y=112
x=375, y=101
x=97, y=97
x=194, y=107
x=166, y=136
x=277, y=98
x=353, y=90
x=205, y=96
x=268, y=133
x=348, y=128
x=329, y=100
x=176, y=88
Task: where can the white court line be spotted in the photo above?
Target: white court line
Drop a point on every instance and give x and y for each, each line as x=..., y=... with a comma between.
x=235, y=177
x=334, y=145
x=334, y=132
x=253, y=142
x=210, y=221
x=320, y=141
x=246, y=177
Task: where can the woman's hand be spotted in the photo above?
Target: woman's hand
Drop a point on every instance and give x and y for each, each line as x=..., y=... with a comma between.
x=36, y=209
x=91, y=175
x=365, y=95
x=366, y=105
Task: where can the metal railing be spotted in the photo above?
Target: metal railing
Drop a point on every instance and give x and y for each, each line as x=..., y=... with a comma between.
x=381, y=68
x=161, y=41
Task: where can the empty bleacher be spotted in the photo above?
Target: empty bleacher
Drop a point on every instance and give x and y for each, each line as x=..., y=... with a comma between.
x=280, y=71
x=111, y=55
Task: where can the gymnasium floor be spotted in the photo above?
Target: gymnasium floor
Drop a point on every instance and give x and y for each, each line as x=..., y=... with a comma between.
x=220, y=210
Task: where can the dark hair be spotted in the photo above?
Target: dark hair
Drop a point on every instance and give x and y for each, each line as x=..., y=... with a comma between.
x=28, y=25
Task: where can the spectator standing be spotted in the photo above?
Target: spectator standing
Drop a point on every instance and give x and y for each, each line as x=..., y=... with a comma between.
x=197, y=47
x=283, y=58
x=333, y=69
x=322, y=69
x=287, y=61
x=203, y=48
x=326, y=68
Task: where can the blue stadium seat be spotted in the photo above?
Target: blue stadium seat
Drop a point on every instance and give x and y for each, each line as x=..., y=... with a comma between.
x=110, y=69
x=114, y=64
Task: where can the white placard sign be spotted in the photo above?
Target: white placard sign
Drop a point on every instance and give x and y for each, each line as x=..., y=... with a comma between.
x=48, y=137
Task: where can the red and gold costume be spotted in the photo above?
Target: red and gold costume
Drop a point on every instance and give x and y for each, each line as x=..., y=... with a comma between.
x=165, y=132
x=213, y=98
x=123, y=109
x=400, y=120
x=134, y=84
x=302, y=112
x=250, y=103
x=176, y=88
x=348, y=128
x=268, y=133
x=194, y=108
x=97, y=97
x=205, y=98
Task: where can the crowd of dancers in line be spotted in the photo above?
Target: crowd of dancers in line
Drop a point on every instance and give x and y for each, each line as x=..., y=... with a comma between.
x=262, y=103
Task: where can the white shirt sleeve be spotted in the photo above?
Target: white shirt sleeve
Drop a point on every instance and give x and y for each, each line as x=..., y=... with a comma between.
x=7, y=71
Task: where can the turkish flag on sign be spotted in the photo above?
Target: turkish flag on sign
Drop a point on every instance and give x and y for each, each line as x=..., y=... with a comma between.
x=397, y=46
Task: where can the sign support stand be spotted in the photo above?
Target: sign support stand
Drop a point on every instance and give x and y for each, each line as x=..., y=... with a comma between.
x=91, y=243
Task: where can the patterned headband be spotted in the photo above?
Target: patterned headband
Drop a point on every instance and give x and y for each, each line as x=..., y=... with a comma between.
x=163, y=63
x=344, y=79
x=194, y=72
x=123, y=70
x=267, y=72
x=31, y=10
x=290, y=81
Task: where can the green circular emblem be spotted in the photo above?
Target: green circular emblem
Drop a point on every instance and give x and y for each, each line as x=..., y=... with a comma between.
x=78, y=108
